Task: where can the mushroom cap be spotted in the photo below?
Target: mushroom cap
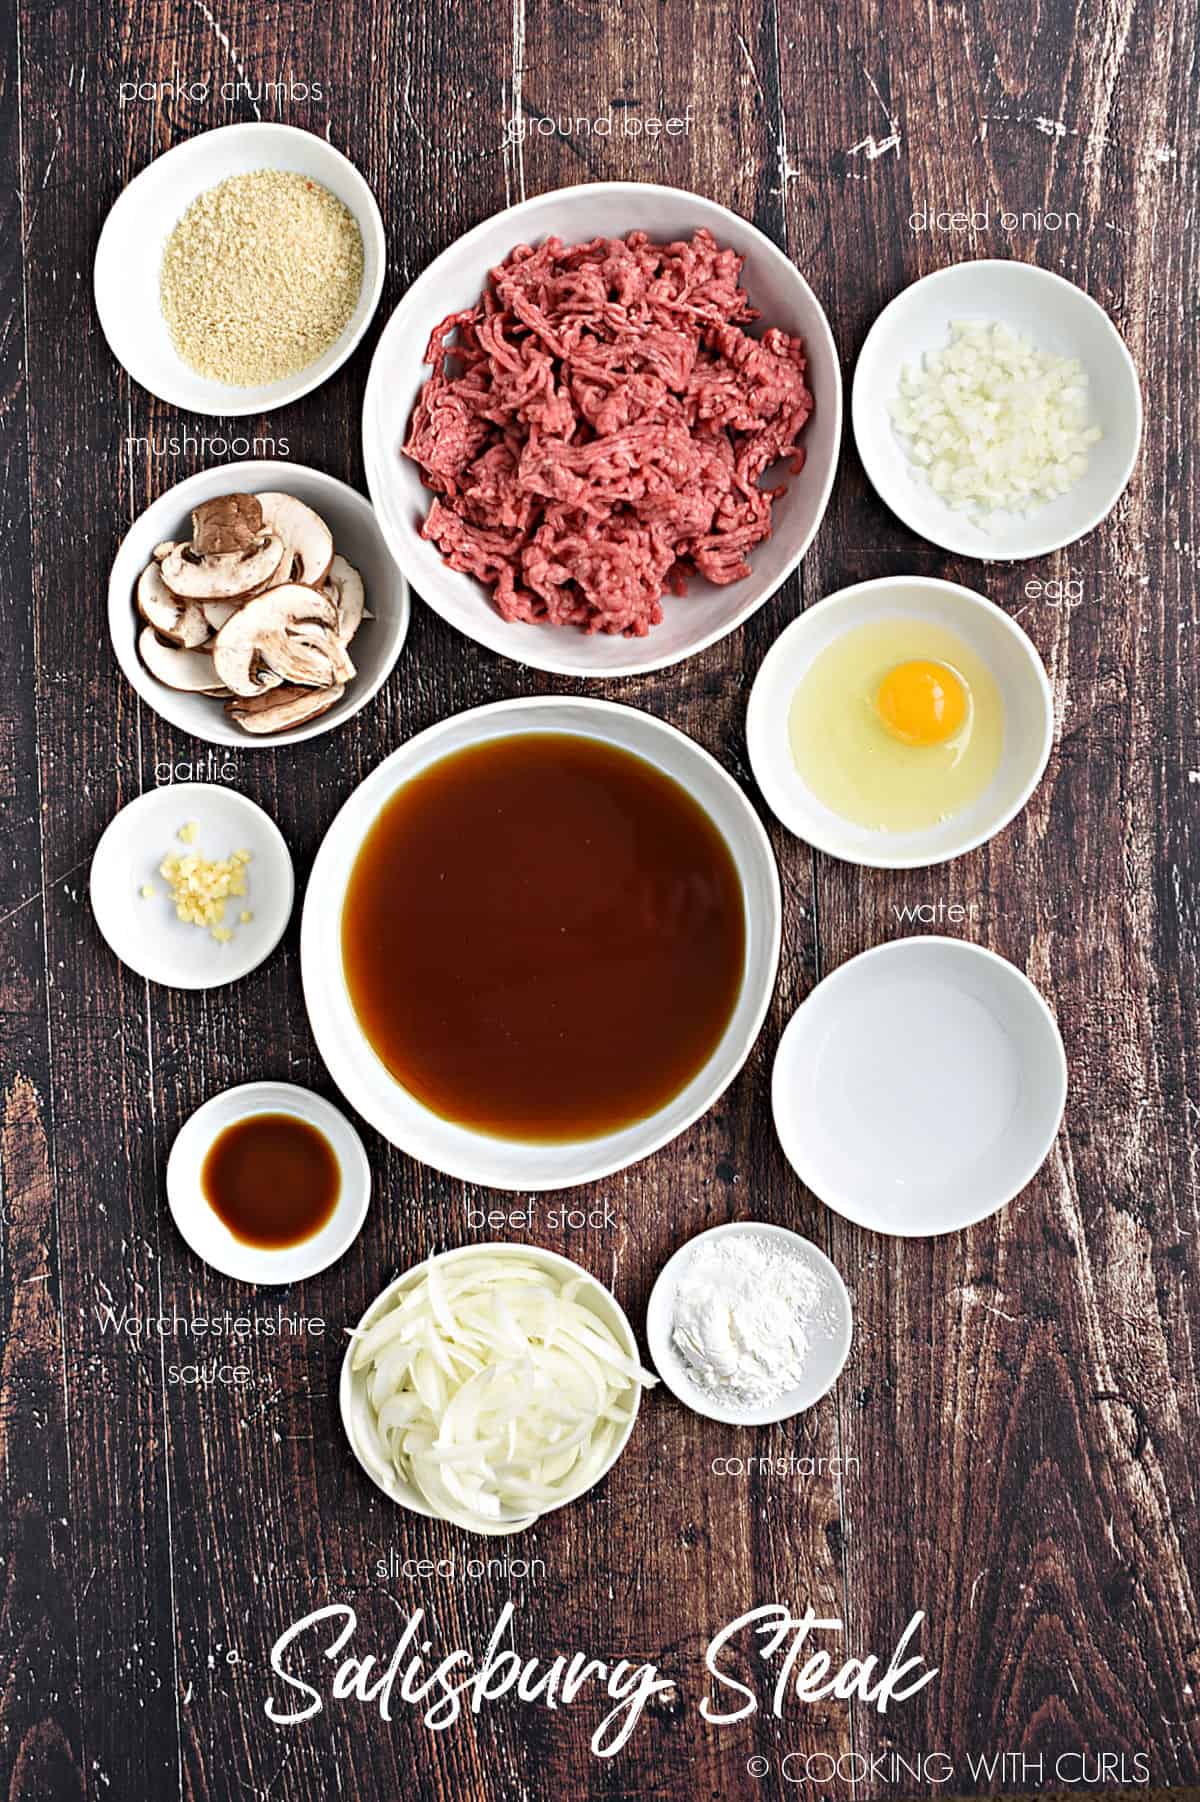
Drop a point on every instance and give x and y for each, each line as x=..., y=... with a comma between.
x=287, y=634
x=308, y=542
x=182, y=623
x=190, y=671
x=229, y=522
x=227, y=576
x=344, y=586
x=283, y=708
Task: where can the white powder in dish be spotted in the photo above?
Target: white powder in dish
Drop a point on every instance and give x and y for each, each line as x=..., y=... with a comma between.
x=746, y=1310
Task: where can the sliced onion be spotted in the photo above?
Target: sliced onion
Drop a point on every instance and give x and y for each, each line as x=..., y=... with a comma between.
x=497, y=1392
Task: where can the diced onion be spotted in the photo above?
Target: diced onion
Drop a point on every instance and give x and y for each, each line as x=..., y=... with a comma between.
x=495, y=1391
x=992, y=422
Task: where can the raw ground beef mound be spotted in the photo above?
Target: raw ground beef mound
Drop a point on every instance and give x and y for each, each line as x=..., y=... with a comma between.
x=595, y=428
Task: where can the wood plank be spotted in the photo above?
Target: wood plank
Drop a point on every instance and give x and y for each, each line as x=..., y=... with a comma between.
x=1022, y=1399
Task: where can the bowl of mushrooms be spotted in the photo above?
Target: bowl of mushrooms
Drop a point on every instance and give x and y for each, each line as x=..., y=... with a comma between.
x=257, y=604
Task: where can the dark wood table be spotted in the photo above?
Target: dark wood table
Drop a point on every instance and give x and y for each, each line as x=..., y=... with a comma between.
x=1016, y=1432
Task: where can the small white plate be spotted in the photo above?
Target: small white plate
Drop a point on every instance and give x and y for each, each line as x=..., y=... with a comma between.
x=356, y=536
x=831, y=1337
x=358, y=1417
x=207, y=1233
x=998, y=641
x=130, y=251
x=920, y=1086
x=144, y=931
x=1058, y=318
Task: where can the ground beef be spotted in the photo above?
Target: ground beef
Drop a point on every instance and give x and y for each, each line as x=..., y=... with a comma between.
x=595, y=428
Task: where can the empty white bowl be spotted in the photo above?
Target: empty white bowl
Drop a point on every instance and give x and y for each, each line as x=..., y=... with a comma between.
x=356, y=536
x=1058, y=318
x=144, y=931
x=206, y=1232
x=352, y=1061
x=358, y=1417
x=998, y=641
x=456, y=280
x=130, y=251
x=831, y=1332
x=920, y=1086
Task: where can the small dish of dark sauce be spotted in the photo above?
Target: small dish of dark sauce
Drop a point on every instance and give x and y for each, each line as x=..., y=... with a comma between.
x=273, y=1179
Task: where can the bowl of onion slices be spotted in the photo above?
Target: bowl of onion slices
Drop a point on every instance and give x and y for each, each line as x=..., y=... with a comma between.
x=491, y=1384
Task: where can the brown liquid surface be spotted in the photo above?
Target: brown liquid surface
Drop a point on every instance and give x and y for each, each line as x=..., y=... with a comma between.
x=543, y=937
x=273, y=1179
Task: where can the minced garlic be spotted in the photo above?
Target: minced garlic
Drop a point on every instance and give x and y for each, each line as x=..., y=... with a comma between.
x=260, y=276
x=187, y=834
x=200, y=887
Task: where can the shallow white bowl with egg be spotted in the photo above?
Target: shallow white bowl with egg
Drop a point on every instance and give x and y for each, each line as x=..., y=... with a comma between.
x=920, y=1087
x=1057, y=318
x=997, y=641
x=358, y=1416
x=460, y=1151
x=130, y=252
x=455, y=280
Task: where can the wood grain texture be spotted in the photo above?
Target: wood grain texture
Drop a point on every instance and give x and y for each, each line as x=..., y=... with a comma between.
x=1019, y=1418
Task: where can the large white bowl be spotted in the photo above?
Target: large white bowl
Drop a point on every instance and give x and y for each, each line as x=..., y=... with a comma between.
x=358, y=1417
x=997, y=641
x=455, y=280
x=356, y=536
x=129, y=260
x=1058, y=317
x=920, y=1086
x=479, y=1157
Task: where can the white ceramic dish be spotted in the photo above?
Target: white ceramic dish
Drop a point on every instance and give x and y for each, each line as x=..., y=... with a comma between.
x=129, y=258
x=455, y=280
x=359, y=1420
x=354, y=1065
x=144, y=931
x=920, y=1086
x=831, y=1338
x=1001, y=644
x=207, y=1233
x=356, y=535
x=1058, y=317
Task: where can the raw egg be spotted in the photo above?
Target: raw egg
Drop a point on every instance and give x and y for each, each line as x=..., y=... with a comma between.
x=897, y=725
x=922, y=703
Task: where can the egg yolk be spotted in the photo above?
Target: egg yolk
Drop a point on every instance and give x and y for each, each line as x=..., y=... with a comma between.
x=922, y=703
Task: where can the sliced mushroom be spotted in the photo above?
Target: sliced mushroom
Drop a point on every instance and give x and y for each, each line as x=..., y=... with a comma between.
x=308, y=542
x=164, y=549
x=288, y=634
x=229, y=576
x=217, y=612
x=231, y=522
x=191, y=672
x=181, y=622
x=283, y=708
x=344, y=586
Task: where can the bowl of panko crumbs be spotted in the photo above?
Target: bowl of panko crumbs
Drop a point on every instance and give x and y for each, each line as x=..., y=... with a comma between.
x=240, y=269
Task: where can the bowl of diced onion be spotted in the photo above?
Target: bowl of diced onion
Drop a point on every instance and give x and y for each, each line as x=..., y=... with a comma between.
x=490, y=1385
x=997, y=410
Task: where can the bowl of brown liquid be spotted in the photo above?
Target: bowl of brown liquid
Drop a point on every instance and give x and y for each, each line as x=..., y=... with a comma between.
x=540, y=940
x=268, y=1183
